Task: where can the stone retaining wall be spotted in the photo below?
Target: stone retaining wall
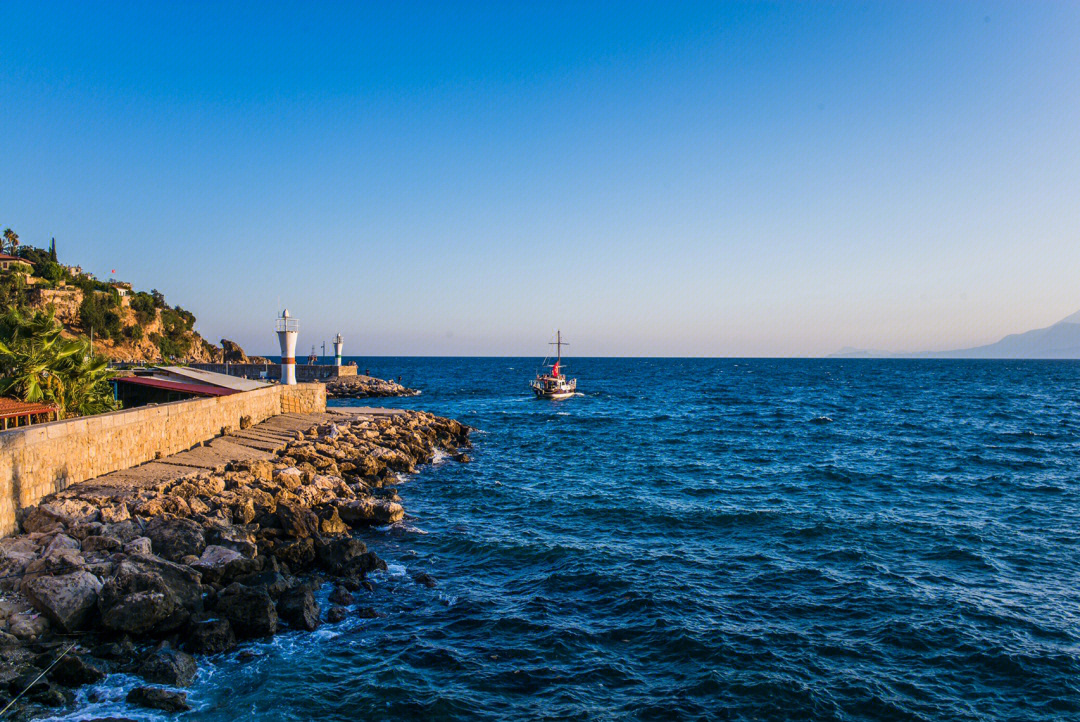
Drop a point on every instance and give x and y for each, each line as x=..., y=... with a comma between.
x=38, y=460
x=273, y=371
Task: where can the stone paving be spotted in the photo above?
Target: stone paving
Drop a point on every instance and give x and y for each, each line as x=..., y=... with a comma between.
x=258, y=442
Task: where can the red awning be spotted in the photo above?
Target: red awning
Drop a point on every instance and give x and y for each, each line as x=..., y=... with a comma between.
x=193, y=389
x=14, y=407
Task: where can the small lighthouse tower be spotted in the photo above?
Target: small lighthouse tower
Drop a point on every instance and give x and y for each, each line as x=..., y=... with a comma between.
x=287, y=328
x=338, y=340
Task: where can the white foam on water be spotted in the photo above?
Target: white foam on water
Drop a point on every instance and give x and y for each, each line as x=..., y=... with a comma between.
x=111, y=694
x=395, y=570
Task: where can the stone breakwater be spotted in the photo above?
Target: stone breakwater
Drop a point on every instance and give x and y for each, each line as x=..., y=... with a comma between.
x=143, y=581
x=359, y=387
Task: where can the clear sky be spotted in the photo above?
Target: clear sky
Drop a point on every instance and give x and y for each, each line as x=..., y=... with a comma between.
x=655, y=179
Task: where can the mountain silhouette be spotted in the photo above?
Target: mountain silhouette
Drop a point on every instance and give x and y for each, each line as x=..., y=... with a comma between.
x=1060, y=341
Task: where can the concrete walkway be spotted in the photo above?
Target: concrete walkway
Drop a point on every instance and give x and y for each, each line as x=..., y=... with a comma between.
x=258, y=442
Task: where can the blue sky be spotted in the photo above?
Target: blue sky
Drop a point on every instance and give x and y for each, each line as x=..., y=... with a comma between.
x=655, y=179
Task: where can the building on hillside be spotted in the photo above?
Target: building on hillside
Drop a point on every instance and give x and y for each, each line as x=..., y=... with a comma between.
x=75, y=271
x=175, y=383
x=123, y=288
x=15, y=413
x=14, y=262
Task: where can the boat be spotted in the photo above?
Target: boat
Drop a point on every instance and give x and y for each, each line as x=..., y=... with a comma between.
x=554, y=384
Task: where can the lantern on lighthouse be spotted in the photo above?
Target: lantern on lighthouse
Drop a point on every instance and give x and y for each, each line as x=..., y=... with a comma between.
x=338, y=340
x=287, y=328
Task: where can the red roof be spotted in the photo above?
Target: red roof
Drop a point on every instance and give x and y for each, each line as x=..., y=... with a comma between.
x=194, y=389
x=6, y=257
x=14, y=407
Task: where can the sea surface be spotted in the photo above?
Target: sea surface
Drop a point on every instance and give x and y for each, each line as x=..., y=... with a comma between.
x=735, y=539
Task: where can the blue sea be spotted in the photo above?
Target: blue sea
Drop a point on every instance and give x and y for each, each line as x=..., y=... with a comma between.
x=736, y=539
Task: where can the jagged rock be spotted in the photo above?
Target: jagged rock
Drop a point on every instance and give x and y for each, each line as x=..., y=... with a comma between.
x=59, y=513
x=148, y=594
x=297, y=521
x=362, y=512
x=341, y=596
x=210, y=636
x=291, y=478
x=67, y=599
x=336, y=614
x=338, y=554
x=169, y=666
x=157, y=698
x=73, y=671
x=367, y=613
x=60, y=541
x=217, y=563
x=425, y=579
x=28, y=626
x=174, y=539
x=298, y=608
x=249, y=610
x=140, y=545
x=160, y=505
x=101, y=544
x=115, y=514
x=235, y=538
x=298, y=554
x=262, y=470
x=13, y=564
x=275, y=583
x=331, y=523
x=231, y=353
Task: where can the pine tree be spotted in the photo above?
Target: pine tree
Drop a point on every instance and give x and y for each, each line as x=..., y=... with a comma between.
x=52, y=251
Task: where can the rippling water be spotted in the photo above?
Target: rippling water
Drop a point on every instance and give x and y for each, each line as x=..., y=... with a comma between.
x=724, y=539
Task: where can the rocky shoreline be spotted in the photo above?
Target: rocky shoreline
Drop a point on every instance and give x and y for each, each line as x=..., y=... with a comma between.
x=144, y=582
x=360, y=387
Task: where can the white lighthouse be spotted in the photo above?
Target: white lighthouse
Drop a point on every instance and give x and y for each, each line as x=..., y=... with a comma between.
x=287, y=328
x=338, y=340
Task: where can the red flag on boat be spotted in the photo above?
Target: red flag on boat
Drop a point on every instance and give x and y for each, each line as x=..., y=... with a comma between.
x=555, y=370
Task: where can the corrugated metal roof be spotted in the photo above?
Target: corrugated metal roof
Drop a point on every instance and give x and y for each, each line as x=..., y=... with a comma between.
x=14, y=407
x=179, y=386
x=212, y=378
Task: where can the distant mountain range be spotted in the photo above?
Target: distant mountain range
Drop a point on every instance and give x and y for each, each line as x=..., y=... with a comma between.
x=1060, y=341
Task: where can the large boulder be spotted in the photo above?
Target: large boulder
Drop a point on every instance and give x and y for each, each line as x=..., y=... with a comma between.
x=236, y=538
x=183, y=581
x=298, y=554
x=338, y=554
x=59, y=513
x=366, y=512
x=296, y=521
x=157, y=698
x=273, y=582
x=169, y=666
x=250, y=610
x=175, y=539
x=210, y=636
x=330, y=522
x=67, y=600
x=297, y=607
x=217, y=563
x=73, y=671
x=149, y=595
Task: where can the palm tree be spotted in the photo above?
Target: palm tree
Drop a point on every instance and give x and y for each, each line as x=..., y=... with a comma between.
x=11, y=239
x=38, y=364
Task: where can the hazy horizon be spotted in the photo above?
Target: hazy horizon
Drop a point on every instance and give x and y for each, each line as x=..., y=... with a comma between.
x=704, y=180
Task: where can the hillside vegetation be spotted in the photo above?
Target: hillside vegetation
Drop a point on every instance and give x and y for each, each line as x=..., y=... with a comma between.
x=124, y=325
